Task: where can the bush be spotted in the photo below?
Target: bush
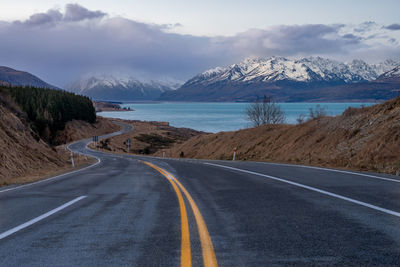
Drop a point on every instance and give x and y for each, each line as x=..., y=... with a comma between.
x=266, y=112
x=317, y=112
x=301, y=119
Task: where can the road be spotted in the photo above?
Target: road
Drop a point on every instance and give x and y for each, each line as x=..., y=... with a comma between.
x=146, y=211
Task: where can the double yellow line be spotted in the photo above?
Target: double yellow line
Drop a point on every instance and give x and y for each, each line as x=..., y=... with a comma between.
x=207, y=248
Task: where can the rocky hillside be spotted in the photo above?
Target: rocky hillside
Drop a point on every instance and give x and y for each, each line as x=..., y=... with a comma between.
x=279, y=77
x=365, y=139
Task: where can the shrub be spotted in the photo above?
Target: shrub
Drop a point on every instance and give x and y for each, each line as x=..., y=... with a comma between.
x=265, y=112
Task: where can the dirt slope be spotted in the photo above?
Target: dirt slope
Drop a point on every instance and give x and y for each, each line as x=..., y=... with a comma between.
x=25, y=157
x=359, y=139
x=76, y=130
x=147, y=137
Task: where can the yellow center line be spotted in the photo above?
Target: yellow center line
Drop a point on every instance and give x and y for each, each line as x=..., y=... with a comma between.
x=186, y=255
x=209, y=258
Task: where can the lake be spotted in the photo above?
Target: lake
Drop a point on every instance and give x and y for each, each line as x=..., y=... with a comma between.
x=214, y=117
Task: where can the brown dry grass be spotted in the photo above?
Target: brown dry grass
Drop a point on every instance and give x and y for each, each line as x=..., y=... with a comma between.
x=47, y=172
x=77, y=130
x=366, y=139
x=147, y=138
x=24, y=157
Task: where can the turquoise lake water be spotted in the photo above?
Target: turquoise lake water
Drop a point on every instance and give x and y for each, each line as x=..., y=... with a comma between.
x=214, y=117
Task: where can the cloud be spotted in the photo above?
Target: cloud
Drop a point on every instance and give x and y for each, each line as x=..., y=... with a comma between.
x=365, y=26
x=292, y=40
x=50, y=16
x=75, y=12
x=60, y=46
x=393, y=27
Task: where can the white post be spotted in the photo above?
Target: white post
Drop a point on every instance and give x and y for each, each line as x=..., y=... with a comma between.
x=163, y=154
x=234, y=154
x=128, y=145
x=72, y=160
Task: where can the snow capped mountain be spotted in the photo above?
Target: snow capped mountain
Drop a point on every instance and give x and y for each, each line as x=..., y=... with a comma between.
x=392, y=74
x=300, y=70
x=288, y=80
x=111, y=88
x=386, y=66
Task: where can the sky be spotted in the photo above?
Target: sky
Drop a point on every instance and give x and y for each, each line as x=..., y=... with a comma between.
x=62, y=40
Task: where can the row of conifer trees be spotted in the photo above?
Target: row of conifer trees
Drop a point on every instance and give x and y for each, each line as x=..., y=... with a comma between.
x=48, y=110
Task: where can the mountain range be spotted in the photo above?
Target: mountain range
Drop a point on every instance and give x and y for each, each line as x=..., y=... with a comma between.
x=286, y=79
x=111, y=88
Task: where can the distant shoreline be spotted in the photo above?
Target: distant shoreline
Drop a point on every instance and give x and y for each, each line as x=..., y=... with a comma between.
x=215, y=117
x=101, y=106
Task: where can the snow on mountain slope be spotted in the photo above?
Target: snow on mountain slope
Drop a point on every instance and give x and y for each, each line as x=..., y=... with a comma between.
x=301, y=70
x=108, y=87
x=392, y=74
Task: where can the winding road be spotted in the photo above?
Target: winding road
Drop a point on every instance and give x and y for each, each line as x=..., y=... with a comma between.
x=144, y=211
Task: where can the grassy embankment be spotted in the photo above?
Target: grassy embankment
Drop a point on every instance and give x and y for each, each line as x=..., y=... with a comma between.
x=147, y=138
x=366, y=139
x=34, y=126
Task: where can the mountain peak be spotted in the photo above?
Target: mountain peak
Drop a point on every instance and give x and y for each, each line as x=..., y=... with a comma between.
x=310, y=69
x=125, y=88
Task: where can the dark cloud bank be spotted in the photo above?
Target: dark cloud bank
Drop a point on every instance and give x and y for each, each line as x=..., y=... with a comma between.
x=61, y=46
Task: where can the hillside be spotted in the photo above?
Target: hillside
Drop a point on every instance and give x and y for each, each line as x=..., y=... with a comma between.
x=287, y=80
x=49, y=110
x=147, y=138
x=26, y=157
x=9, y=76
x=366, y=139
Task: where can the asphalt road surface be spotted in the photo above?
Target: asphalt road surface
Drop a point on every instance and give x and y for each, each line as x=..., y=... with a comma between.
x=145, y=211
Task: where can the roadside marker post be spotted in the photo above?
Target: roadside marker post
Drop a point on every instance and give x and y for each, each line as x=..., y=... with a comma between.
x=95, y=139
x=163, y=154
x=234, y=154
x=128, y=144
x=72, y=160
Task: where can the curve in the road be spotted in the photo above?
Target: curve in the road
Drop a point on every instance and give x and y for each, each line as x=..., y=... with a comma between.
x=186, y=256
x=209, y=258
x=256, y=214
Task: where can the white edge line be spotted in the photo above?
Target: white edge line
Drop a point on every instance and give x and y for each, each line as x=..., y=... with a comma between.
x=68, y=173
x=54, y=177
x=283, y=164
x=333, y=170
x=41, y=217
x=391, y=212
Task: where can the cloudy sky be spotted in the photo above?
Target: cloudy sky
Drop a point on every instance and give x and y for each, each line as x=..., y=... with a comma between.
x=60, y=41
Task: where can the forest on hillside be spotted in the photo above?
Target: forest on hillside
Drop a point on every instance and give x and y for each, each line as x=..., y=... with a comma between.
x=48, y=110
